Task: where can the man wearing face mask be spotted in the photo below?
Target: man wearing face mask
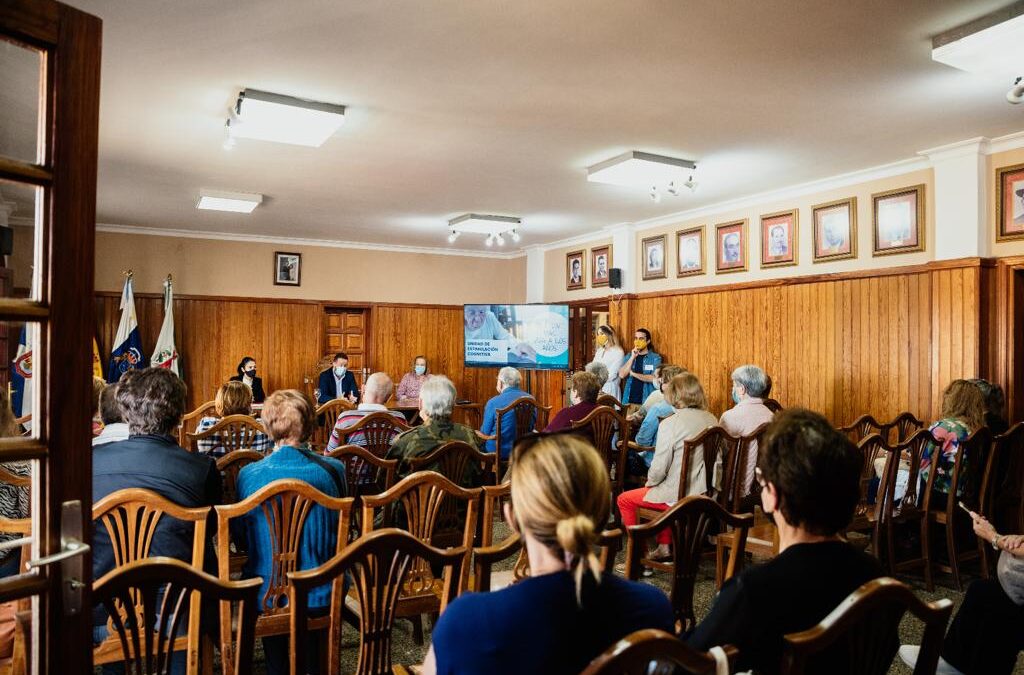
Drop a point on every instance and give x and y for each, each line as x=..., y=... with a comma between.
x=638, y=370
x=337, y=382
x=247, y=375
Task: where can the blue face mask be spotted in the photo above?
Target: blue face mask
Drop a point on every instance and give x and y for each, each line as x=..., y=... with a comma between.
x=420, y=369
x=735, y=397
x=340, y=371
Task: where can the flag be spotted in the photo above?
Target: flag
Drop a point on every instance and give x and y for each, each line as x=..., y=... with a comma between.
x=97, y=365
x=127, y=352
x=165, y=355
x=21, y=379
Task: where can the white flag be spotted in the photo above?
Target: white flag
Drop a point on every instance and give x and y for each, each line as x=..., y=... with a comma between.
x=165, y=355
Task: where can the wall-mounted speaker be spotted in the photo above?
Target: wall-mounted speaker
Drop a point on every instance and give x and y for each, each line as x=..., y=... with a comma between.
x=615, y=277
x=6, y=241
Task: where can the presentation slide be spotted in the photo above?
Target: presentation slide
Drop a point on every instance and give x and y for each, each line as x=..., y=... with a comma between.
x=524, y=336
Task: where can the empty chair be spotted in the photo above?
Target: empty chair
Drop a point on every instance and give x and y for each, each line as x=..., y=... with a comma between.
x=864, y=426
x=904, y=425
x=459, y=462
x=229, y=465
x=903, y=509
x=651, y=651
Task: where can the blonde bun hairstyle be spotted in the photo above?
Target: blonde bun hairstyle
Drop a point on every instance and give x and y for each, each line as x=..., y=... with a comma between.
x=561, y=495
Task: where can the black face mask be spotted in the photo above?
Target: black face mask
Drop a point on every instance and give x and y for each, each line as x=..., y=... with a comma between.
x=250, y=373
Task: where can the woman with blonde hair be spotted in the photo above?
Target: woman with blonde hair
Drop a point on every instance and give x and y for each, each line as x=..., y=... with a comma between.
x=609, y=353
x=963, y=413
x=566, y=612
x=690, y=417
x=233, y=398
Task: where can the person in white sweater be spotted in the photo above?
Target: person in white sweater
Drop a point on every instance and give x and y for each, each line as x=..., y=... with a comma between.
x=611, y=355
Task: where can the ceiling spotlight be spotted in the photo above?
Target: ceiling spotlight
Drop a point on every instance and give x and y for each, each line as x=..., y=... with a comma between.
x=691, y=183
x=515, y=236
x=501, y=239
x=672, y=189
x=453, y=236
x=1016, y=93
x=490, y=240
x=655, y=195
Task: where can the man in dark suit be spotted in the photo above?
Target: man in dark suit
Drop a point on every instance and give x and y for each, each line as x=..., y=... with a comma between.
x=337, y=381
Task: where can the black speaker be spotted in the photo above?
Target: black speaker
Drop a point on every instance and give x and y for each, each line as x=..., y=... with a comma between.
x=615, y=277
x=6, y=241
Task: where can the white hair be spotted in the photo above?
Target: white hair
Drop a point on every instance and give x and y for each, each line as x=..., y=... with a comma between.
x=437, y=397
x=598, y=370
x=510, y=376
x=752, y=378
x=378, y=386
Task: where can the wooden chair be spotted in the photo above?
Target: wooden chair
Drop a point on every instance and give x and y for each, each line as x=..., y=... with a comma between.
x=379, y=565
x=987, y=493
x=365, y=474
x=162, y=591
x=905, y=424
x=229, y=465
x=437, y=512
x=22, y=529
x=235, y=432
x=867, y=515
x=17, y=480
x=327, y=417
x=864, y=426
x=690, y=521
x=861, y=634
x=130, y=518
x=908, y=512
x=949, y=516
x=1010, y=493
x=651, y=651
x=285, y=505
x=611, y=402
x=745, y=493
x=189, y=421
x=773, y=405
x=375, y=432
x=528, y=414
x=600, y=428
x=455, y=461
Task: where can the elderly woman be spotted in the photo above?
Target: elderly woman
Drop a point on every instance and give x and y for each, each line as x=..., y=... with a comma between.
x=409, y=386
x=598, y=370
x=963, y=413
x=233, y=398
x=690, y=417
x=290, y=417
x=609, y=353
x=437, y=401
x=566, y=612
x=809, y=476
x=583, y=392
x=749, y=384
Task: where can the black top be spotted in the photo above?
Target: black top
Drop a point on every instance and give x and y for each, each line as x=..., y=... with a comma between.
x=257, y=388
x=636, y=385
x=791, y=593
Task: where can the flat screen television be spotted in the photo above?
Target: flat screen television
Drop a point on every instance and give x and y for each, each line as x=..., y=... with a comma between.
x=524, y=336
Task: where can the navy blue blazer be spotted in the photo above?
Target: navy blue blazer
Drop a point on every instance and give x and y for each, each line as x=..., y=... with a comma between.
x=328, y=388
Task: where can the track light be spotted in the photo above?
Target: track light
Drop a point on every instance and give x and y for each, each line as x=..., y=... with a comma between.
x=515, y=236
x=453, y=236
x=501, y=239
x=691, y=183
x=655, y=195
x=1016, y=93
x=490, y=240
x=672, y=189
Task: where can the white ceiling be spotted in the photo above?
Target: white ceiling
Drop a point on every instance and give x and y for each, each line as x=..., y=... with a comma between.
x=498, y=107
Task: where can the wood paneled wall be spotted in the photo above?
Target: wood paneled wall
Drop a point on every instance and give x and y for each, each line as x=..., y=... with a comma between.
x=880, y=342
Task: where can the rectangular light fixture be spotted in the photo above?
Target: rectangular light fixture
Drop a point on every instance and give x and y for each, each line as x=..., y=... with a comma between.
x=641, y=169
x=994, y=44
x=284, y=119
x=236, y=202
x=474, y=222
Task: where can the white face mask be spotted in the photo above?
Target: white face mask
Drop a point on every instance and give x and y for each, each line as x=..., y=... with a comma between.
x=340, y=371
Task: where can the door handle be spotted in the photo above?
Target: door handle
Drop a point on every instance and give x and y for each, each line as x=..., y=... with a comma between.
x=70, y=547
x=72, y=567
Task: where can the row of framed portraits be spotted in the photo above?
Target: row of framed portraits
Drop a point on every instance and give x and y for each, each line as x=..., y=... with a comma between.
x=576, y=268
x=898, y=219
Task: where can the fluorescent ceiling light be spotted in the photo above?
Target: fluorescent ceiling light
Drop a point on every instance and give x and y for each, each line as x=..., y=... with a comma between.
x=992, y=45
x=284, y=119
x=642, y=169
x=236, y=202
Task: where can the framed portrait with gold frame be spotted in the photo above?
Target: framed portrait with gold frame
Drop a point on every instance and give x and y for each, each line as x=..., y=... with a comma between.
x=780, y=238
x=653, y=251
x=575, y=271
x=1010, y=202
x=731, y=247
x=690, y=252
x=600, y=263
x=898, y=220
x=834, y=226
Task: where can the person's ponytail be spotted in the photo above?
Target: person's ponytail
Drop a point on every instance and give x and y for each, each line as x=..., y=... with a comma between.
x=576, y=537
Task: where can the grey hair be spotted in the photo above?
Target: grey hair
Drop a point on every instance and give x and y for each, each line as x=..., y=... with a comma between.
x=598, y=370
x=752, y=378
x=152, y=400
x=379, y=386
x=510, y=376
x=437, y=397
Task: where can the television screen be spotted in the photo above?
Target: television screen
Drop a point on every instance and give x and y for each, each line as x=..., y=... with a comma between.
x=524, y=336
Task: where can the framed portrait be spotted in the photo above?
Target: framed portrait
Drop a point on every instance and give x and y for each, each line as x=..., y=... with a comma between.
x=600, y=263
x=780, y=238
x=690, y=252
x=287, y=269
x=898, y=219
x=575, y=271
x=835, y=230
x=1010, y=202
x=653, y=250
x=731, y=247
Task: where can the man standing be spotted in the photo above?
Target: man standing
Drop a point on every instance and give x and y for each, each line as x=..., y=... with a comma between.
x=337, y=381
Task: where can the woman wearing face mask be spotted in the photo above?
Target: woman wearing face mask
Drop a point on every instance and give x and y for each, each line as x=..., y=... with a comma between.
x=611, y=355
x=409, y=387
x=247, y=376
x=638, y=370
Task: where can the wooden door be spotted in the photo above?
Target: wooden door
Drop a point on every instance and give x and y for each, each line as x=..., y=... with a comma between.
x=346, y=332
x=49, y=111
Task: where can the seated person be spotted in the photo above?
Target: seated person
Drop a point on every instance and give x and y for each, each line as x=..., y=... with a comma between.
x=114, y=427
x=985, y=635
x=247, y=375
x=963, y=412
x=600, y=371
x=748, y=391
x=376, y=392
x=437, y=400
x=648, y=432
x=655, y=397
x=995, y=406
x=409, y=387
x=233, y=398
x=14, y=499
x=98, y=385
x=809, y=475
x=583, y=392
x=290, y=417
x=508, y=386
x=337, y=382
x=690, y=417
x=574, y=612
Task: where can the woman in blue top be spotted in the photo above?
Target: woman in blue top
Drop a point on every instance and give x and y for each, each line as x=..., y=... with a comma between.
x=566, y=612
x=637, y=372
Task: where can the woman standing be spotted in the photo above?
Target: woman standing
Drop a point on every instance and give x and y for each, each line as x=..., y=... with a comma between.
x=247, y=376
x=611, y=355
x=409, y=387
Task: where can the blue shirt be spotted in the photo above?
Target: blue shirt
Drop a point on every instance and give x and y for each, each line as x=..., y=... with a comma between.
x=320, y=532
x=535, y=626
x=651, y=360
x=648, y=434
x=508, y=421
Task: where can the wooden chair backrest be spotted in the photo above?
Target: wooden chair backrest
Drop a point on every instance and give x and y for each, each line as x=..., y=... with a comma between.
x=1011, y=447
x=375, y=432
x=689, y=521
x=600, y=428
x=229, y=465
x=327, y=417
x=611, y=402
x=365, y=472
x=871, y=447
x=21, y=527
x=650, y=652
x=189, y=421
x=975, y=448
x=911, y=450
x=773, y=405
x=527, y=418
x=864, y=426
x=905, y=424
x=454, y=460
x=235, y=432
x=17, y=480
x=717, y=444
x=744, y=481
x=164, y=589
x=379, y=564
x=861, y=634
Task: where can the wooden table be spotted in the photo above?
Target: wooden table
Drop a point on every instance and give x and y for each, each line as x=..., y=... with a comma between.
x=470, y=414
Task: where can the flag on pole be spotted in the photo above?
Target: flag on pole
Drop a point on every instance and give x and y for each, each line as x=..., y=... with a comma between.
x=21, y=379
x=97, y=364
x=165, y=355
x=127, y=352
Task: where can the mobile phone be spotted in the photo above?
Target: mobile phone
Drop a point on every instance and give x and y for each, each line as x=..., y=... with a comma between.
x=964, y=507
